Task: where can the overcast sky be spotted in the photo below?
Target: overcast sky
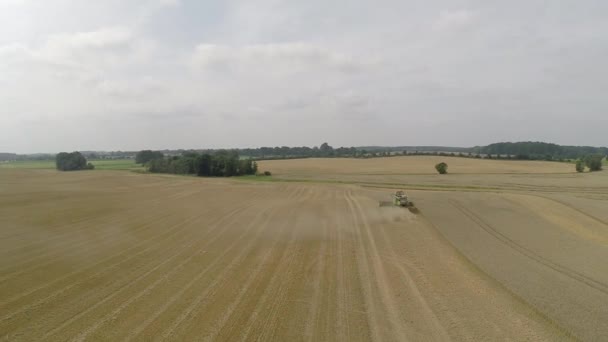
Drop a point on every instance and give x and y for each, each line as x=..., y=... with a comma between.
x=133, y=74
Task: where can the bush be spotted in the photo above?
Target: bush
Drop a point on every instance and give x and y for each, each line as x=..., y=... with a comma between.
x=580, y=166
x=267, y=173
x=442, y=168
x=71, y=162
x=594, y=162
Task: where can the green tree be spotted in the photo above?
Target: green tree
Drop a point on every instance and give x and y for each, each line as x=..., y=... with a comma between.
x=442, y=168
x=580, y=166
x=594, y=162
x=142, y=157
x=326, y=150
x=204, y=165
x=71, y=162
x=223, y=163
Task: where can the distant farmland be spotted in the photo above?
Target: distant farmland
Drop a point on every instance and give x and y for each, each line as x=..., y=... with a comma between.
x=103, y=164
x=500, y=250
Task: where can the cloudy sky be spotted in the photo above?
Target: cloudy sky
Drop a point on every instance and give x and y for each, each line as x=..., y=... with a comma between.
x=133, y=74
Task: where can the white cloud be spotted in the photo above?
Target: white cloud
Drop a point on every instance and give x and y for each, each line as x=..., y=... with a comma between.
x=11, y=53
x=453, y=20
x=100, y=39
x=292, y=57
x=12, y=2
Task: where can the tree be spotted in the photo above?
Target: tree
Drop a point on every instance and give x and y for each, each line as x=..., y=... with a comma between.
x=580, y=166
x=204, y=165
x=222, y=163
x=442, y=168
x=72, y=161
x=594, y=162
x=326, y=150
x=142, y=157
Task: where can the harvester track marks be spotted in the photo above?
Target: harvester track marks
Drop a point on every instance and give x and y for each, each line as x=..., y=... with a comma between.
x=232, y=215
x=274, y=293
x=344, y=306
x=220, y=324
x=312, y=321
x=597, y=285
x=438, y=331
x=147, y=290
x=570, y=206
x=70, y=245
x=378, y=273
x=190, y=312
x=67, y=233
x=172, y=231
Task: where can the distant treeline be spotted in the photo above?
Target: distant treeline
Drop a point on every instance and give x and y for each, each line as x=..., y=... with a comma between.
x=219, y=164
x=8, y=156
x=542, y=151
x=445, y=149
x=284, y=152
x=519, y=150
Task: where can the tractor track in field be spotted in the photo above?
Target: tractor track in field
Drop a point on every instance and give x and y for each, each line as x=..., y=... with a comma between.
x=52, y=256
x=149, y=288
x=436, y=328
x=312, y=321
x=170, y=232
x=271, y=268
x=68, y=233
x=232, y=215
x=274, y=293
x=597, y=285
x=187, y=314
x=221, y=322
x=378, y=273
x=71, y=244
x=63, y=290
x=343, y=305
x=570, y=206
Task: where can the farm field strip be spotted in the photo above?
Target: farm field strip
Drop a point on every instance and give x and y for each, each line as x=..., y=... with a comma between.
x=600, y=286
x=182, y=258
x=155, y=283
x=115, y=282
x=58, y=251
x=435, y=328
x=161, y=237
x=184, y=248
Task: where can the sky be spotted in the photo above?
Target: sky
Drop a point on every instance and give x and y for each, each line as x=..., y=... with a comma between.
x=168, y=74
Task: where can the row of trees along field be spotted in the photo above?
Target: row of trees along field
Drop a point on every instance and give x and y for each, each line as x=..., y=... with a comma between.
x=592, y=161
x=72, y=161
x=529, y=150
x=219, y=164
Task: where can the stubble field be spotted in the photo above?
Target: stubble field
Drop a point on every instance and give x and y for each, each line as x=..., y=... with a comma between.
x=499, y=250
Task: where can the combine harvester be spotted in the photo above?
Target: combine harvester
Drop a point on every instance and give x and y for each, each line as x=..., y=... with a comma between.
x=400, y=199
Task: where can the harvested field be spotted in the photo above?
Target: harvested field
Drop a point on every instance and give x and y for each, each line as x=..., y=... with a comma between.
x=409, y=165
x=109, y=255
